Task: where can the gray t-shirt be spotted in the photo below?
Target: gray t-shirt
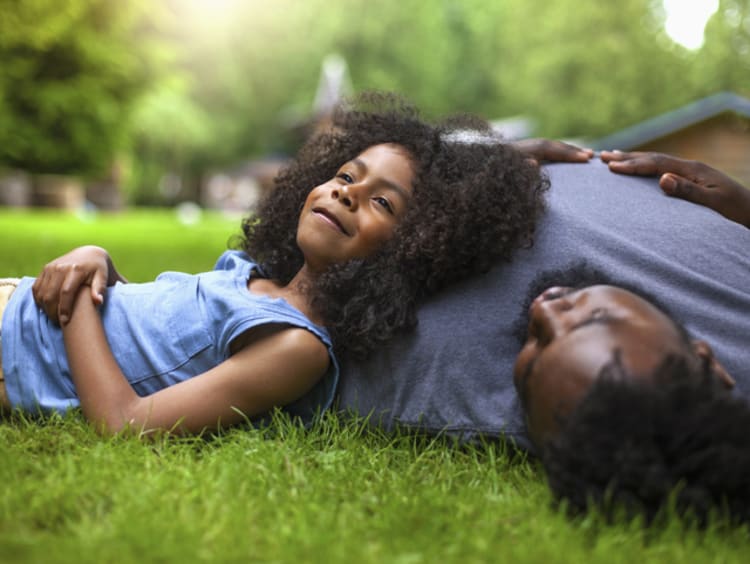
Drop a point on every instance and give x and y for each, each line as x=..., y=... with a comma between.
x=453, y=374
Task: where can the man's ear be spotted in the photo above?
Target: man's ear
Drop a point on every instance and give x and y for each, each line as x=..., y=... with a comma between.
x=703, y=350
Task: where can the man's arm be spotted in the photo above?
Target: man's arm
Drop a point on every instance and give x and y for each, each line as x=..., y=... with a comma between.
x=690, y=180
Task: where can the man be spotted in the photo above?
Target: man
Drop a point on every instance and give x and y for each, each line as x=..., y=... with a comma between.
x=626, y=410
x=453, y=374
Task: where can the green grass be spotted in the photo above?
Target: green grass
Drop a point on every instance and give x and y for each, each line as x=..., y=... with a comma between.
x=142, y=244
x=339, y=492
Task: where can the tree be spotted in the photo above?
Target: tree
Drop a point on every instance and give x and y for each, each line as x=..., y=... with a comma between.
x=725, y=60
x=71, y=73
x=186, y=87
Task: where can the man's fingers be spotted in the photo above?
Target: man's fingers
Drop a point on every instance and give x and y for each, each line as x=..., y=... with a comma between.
x=641, y=166
x=651, y=164
x=679, y=187
x=615, y=156
x=581, y=155
x=553, y=151
x=563, y=152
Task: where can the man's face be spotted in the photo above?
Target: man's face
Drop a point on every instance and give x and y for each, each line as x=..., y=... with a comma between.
x=572, y=335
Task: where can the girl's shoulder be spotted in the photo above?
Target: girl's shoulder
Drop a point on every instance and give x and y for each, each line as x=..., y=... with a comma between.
x=239, y=260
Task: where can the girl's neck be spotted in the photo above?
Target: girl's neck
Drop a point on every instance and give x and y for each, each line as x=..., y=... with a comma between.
x=296, y=292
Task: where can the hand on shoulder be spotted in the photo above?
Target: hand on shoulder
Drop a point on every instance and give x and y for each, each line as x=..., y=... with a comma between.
x=550, y=150
x=690, y=180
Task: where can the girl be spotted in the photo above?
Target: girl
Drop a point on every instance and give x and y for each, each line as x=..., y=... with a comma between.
x=373, y=215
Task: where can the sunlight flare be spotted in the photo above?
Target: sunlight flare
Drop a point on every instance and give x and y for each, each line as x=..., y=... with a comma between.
x=686, y=21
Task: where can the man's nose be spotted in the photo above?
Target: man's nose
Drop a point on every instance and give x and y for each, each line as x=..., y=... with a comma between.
x=553, y=316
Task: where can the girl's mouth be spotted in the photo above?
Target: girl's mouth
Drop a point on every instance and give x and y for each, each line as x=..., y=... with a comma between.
x=331, y=219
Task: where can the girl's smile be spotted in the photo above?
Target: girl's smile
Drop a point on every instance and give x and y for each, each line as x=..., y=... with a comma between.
x=329, y=218
x=355, y=212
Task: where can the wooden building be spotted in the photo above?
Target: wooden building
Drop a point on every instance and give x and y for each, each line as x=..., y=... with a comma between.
x=714, y=130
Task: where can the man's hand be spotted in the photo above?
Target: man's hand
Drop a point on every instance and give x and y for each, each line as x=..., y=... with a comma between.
x=56, y=287
x=689, y=180
x=548, y=150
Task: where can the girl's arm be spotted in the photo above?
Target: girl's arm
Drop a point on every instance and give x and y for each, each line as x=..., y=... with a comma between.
x=276, y=366
x=57, y=285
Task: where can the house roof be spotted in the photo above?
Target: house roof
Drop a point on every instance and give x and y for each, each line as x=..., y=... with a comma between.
x=333, y=86
x=681, y=118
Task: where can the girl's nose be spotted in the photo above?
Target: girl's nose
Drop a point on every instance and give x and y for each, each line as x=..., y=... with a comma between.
x=345, y=196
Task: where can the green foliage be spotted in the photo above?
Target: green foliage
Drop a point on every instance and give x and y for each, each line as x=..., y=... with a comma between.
x=142, y=244
x=726, y=64
x=578, y=69
x=71, y=71
x=171, y=133
x=185, y=87
x=620, y=73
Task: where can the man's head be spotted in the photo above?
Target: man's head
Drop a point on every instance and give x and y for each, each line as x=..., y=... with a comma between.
x=622, y=405
x=574, y=333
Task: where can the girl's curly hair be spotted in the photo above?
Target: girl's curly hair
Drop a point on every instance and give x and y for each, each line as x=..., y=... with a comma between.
x=678, y=439
x=475, y=200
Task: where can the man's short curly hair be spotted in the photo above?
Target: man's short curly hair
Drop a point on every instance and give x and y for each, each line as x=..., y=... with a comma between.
x=641, y=445
x=474, y=202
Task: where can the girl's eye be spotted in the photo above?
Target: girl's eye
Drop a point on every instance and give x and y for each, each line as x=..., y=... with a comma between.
x=346, y=177
x=384, y=203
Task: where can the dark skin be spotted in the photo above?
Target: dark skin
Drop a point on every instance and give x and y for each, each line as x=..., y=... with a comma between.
x=573, y=334
x=57, y=285
x=350, y=215
x=548, y=150
x=680, y=178
x=689, y=180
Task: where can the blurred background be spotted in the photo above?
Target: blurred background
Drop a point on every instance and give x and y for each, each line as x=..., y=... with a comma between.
x=111, y=103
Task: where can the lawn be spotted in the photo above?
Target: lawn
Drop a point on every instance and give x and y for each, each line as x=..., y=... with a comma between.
x=338, y=492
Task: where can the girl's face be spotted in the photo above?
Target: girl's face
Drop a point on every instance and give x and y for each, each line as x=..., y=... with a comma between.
x=355, y=212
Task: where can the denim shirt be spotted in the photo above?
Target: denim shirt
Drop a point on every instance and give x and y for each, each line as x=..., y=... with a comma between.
x=161, y=333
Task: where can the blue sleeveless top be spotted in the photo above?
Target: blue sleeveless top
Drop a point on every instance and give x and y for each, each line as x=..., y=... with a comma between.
x=160, y=333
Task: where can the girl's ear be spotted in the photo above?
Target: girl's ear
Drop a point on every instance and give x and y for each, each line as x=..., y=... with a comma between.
x=703, y=350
